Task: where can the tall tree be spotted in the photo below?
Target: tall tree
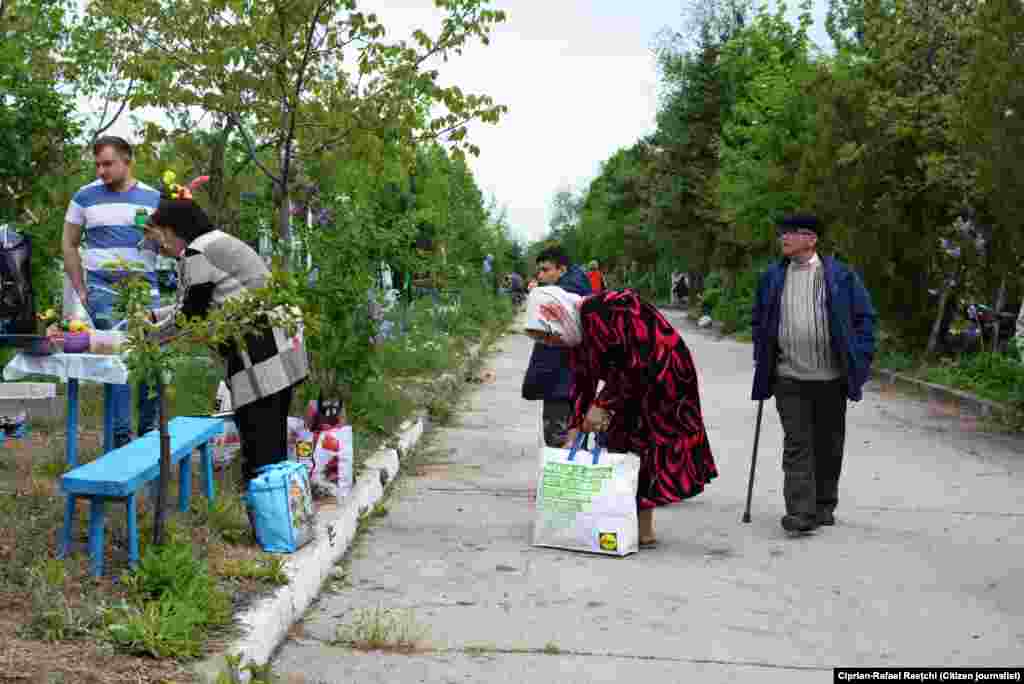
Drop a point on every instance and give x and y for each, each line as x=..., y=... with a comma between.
x=685, y=212
x=302, y=77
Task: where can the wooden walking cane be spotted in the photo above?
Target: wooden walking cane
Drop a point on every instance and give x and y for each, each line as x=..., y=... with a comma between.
x=753, y=461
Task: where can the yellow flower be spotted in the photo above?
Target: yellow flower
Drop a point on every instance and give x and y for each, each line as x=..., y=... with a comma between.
x=169, y=177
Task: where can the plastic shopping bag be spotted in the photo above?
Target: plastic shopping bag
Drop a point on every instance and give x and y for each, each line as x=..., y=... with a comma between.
x=301, y=442
x=281, y=504
x=332, y=462
x=586, y=500
x=73, y=307
x=227, y=444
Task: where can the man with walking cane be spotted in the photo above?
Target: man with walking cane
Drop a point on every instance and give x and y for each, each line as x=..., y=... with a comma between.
x=813, y=329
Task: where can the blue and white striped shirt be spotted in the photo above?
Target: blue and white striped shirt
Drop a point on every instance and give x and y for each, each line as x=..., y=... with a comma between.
x=108, y=227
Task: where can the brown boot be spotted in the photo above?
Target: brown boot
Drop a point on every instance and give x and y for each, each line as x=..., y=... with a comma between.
x=646, y=519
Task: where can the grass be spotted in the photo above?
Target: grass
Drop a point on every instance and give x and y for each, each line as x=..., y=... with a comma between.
x=997, y=377
x=268, y=570
x=477, y=650
x=383, y=629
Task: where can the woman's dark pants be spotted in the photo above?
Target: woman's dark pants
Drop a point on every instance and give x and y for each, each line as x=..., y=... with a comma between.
x=263, y=432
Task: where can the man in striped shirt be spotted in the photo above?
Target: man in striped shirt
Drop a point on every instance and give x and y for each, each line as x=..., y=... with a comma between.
x=813, y=325
x=101, y=218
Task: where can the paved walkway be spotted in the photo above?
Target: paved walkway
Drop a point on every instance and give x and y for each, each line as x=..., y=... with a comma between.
x=923, y=567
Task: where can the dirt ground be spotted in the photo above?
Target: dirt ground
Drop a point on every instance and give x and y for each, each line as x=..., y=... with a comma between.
x=31, y=510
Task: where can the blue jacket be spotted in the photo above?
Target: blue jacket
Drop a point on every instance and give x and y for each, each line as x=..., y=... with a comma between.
x=548, y=376
x=851, y=323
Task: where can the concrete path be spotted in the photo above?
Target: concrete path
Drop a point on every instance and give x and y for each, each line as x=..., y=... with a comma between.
x=922, y=569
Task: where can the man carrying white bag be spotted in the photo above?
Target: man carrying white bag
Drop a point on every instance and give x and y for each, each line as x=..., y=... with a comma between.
x=586, y=500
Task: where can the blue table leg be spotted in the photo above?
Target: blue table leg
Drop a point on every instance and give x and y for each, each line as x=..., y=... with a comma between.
x=68, y=534
x=133, y=534
x=71, y=446
x=207, y=463
x=97, y=520
x=184, y=483
x=108, y=418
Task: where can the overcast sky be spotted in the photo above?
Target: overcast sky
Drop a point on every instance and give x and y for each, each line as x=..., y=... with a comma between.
x=579, y=79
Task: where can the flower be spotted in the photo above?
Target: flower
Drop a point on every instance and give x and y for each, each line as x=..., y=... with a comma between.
x=169, y=178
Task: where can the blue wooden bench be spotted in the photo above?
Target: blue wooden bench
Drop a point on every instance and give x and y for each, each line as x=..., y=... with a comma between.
x=118, y=475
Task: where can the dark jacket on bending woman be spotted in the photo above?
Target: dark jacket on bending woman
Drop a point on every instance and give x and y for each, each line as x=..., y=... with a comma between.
x=548, y=375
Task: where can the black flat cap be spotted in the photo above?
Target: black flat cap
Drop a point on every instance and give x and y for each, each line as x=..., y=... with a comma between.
x=801, y=222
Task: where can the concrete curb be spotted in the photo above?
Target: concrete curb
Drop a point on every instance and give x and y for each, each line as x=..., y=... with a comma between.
x=982, y=408
x=266, y=623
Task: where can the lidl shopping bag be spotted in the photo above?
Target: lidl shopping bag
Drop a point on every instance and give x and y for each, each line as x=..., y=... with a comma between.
x=586, y=500
x=282, y=507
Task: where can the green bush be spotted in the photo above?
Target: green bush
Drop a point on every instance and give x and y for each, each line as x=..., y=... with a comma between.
x=896, y=360
x=994, y=376
x=732, y=306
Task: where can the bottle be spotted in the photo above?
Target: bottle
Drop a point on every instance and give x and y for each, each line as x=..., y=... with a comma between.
x=141, y=216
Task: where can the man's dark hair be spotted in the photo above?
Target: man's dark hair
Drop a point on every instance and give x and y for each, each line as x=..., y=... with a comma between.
x=556, y=255
x=186, y=218
x=121, y=145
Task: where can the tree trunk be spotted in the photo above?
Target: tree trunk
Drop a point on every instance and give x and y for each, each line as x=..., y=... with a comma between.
x=696, y=282
x=933, y=338
x=998, y=311
x=216, y=171
x=284, y=226
x=165, y=470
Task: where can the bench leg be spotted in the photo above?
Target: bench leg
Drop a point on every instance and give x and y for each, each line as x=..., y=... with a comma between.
x=68, y=534
x=133, y=533
x=71, y=443
x=108, y=418
x=184, y=482
x=206, y=454
x=97, y=521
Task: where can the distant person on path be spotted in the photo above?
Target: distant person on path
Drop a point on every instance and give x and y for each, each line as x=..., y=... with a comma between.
x=101, y=217
x=650, y=403
x=596, y=277
x=548, y=377
x=512, y=284
x=813, y=328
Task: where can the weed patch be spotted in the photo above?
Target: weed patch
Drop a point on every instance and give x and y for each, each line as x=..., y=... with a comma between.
x=382, y=629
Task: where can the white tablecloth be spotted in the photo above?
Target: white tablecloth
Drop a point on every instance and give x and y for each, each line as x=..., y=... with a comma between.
x=88, y=367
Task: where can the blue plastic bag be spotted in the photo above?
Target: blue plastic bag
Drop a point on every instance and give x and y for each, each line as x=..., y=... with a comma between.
x=281, y=505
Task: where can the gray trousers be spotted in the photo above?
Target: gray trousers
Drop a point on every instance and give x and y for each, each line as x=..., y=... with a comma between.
x=813, y=415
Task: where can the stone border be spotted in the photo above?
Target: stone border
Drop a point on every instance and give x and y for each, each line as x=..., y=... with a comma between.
x=982, y=408
x=265, y=624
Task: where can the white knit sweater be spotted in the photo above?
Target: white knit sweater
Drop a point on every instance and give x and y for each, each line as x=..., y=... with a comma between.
x=805, y=343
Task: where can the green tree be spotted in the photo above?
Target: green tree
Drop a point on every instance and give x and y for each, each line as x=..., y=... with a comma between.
x=303, y=78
